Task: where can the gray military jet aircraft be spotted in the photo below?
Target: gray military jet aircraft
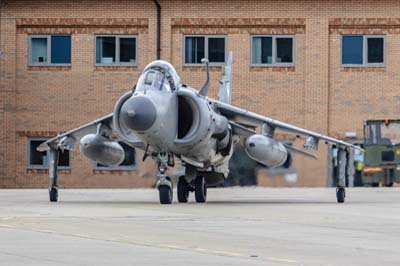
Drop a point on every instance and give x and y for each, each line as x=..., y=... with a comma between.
x=171, y=120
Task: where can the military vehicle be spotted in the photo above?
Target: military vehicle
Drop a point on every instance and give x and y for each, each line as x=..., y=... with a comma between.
x=382, y=152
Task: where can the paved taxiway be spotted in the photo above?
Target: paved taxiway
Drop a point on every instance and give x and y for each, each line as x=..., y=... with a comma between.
x=237, y=226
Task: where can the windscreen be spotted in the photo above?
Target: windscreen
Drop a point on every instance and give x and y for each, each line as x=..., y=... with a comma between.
x=381, y=134
x=153, y=80
x=390, y=133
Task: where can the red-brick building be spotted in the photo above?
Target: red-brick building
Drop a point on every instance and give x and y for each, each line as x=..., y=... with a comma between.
x=322, y=65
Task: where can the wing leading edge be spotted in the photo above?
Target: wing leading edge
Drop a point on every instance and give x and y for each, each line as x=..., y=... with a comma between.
x=242, y=120
x=66, y=141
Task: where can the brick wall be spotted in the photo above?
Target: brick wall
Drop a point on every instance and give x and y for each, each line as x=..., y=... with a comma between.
x=317, y=93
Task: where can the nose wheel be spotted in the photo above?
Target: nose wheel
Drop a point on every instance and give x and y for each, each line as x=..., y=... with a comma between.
x=166, y=194
x=164, y=183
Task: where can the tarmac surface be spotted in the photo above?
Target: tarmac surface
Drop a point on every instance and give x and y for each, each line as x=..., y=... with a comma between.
x=237, y=226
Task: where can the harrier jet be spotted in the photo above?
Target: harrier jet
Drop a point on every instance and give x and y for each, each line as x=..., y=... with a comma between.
x=170, y=120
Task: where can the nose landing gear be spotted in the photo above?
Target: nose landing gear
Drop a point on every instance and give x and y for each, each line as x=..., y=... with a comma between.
x=164, y=183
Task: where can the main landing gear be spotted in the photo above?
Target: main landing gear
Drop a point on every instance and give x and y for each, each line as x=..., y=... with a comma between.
x=190, y=182
x=198, y=186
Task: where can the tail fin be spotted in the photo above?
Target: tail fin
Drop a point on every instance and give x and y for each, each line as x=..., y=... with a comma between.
x=225, y=87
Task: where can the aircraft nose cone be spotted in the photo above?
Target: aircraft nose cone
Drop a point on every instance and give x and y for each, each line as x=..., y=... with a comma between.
x=138, y=113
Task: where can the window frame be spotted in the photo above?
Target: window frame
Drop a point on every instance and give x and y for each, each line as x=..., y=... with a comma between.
x=365, y=50
x=274, y=49
x=133, y=167
x=117, y=50
x=42, y=167
x=206, y=37
x=48, y=37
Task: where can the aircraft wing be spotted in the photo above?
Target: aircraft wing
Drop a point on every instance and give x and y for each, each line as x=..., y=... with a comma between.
x=244, y=122
x=67, y=140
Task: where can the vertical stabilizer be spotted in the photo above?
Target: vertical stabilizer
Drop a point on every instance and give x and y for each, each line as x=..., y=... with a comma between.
x=225, y=87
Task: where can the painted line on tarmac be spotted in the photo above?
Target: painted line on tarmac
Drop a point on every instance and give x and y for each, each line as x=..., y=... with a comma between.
x=7, y=226
x=281, y=260
x=230, y=254
x=169, y=246
x=6, y=218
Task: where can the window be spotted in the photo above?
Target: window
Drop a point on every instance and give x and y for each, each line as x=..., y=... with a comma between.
x=272, y=50
x=116, y=50
x=129, y=162
x=40, y=160
x=363, y=50
x=212, y=47
x=49, y=50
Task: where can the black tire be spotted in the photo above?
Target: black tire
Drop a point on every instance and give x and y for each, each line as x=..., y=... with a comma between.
x=53, y=194
x=183, y=189
x=390, y=184
x=165, y=194
x=375, y=184
x=340, y=195
x=200, y=189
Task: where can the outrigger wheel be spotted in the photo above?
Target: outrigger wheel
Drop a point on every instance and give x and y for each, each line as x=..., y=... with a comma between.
x=200, y=189
x=340, y=194
x=53, y=193
x=183, y=189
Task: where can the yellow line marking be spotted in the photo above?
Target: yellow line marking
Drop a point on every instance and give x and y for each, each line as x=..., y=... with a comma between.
x=281, y=260
x=81, y=235
x=168, y=246
x=201, y=249
x=43, y=231
x=219, y=252
x=6, y=218
x=7, y=226
x=225, y=253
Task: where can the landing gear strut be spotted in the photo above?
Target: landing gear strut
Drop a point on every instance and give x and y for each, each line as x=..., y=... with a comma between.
x=164, y=183
x=53, y=177
x=341, y=183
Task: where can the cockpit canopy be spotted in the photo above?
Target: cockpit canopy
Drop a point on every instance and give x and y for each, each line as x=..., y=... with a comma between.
x=159, y=75
x=153, y=80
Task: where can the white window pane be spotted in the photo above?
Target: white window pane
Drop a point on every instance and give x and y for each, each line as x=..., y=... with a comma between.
x=39, y=50
x=256, y=50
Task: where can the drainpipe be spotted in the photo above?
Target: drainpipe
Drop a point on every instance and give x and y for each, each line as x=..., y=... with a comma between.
x=158, y=29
